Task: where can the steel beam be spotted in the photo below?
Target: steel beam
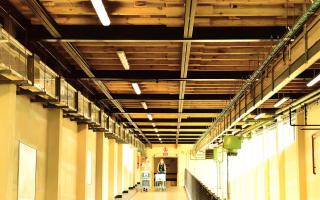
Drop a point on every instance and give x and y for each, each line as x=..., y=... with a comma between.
x=149, y=33
x=167, y=110
x=161, y=75
x=189, y=97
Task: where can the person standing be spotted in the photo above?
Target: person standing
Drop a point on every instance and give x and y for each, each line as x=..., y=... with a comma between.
x=162, y=172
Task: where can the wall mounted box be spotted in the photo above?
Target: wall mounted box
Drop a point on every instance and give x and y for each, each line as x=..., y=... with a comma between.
x=95, y=115
x=231, y=142
x=44, y=80
x=67, y=96
x=13, y=58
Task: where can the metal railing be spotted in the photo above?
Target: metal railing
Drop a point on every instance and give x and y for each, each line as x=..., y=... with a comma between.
x=197, y=190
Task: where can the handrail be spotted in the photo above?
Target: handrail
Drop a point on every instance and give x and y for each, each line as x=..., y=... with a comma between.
x=196, y=189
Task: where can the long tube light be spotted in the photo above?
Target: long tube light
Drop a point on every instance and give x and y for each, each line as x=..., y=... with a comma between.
x=235, y=131
x=280, y=102
x=136, y=88
x=101, y=12
x=259, y=116
x=149, y=117
x=123, y=60
x=314, y=81
x=144, y=105
x=245, y=125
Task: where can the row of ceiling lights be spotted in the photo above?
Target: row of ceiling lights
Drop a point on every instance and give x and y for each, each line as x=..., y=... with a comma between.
x=105, y=20
x=285, y=99
x=136, y=88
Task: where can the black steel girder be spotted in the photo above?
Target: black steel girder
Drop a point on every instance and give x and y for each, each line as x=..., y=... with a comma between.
x=114, y=33
x=155, y=75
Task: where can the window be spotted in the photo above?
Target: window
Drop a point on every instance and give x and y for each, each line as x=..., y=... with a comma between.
x=286, y=135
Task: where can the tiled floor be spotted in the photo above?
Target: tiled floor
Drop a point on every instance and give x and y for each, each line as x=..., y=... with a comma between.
x=172, y=193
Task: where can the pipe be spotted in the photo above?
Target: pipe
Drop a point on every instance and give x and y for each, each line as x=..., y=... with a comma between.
x=283, y=42
x=305, y=99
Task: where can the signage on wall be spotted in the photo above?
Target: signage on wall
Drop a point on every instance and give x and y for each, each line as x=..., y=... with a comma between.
x=165, y=151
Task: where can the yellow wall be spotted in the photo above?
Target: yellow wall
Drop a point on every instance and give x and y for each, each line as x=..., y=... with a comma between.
x=62, y=146
x=22, y=121
x=68, y=156
x=287, y=174
x=309, y=182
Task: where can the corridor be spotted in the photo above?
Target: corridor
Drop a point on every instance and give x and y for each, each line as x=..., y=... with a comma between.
x=212, y=99
x=177, y=193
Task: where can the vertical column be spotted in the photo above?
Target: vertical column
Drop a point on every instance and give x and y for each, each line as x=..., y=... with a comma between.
x=126, y=164
x=102, y=167
x=86, y=163
x=138, y=168
x=134, y=167
x=53, y=164
x=301, y=142
x=8, y=165
x=111, y=169
x=119, y=170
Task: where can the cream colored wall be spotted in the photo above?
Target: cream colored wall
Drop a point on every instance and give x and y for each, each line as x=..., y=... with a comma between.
x=310, y=182
x=288, y=173
x=57, y=142
x=31, y=129
x=68, y=160
x=182, y=151
x=22, y=121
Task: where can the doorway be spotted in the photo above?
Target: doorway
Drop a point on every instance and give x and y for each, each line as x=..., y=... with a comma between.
x=172, y=169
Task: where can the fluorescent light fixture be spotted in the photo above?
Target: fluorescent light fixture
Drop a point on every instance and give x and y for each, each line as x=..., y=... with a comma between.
x=156, y=130
x=144, y=105
x=235, y=131
x=136, y=88
x=101, y=12
x=259, y=116
x=314, y=81
x=123, y=60
x=149, y=117
x=245, y=125
x=153, y=124
x=280, y=102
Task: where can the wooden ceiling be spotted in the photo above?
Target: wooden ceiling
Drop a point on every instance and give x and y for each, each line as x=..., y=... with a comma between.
x=171, y=12
x=230, y=39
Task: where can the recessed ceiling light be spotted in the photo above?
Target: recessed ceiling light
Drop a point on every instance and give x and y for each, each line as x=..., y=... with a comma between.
x=153, y=124
x=259, y=116
x=280, y=102
x=149, y=117
x=156, y=130
x=136, y=88
x=123, y=60
x=314, y=81
x=101, y=12
x=144, y=105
